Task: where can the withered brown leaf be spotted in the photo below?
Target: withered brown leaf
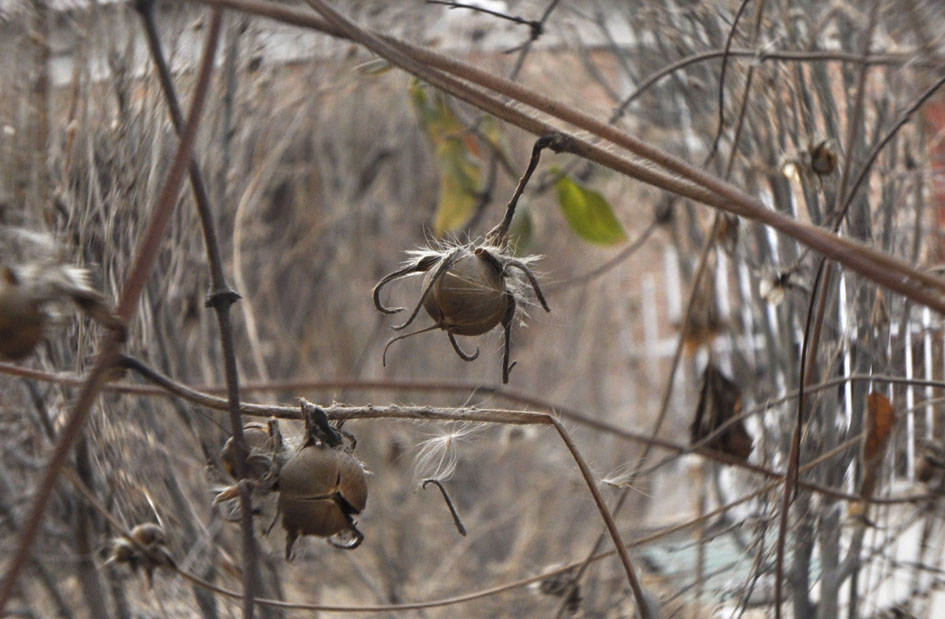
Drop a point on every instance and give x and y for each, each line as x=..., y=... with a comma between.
x=720, y=400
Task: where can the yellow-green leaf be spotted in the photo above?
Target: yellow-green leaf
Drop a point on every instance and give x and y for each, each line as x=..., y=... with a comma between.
x=460, y=178
x=437, y=118
x=589, y=213
x=456, y=149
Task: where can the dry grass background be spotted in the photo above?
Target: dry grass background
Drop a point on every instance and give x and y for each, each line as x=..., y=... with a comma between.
x=320, y=179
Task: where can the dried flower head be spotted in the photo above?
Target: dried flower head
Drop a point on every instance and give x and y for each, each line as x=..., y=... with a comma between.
x=146, y=548
x=471, y=289
x=34, y=284
x=322, y=486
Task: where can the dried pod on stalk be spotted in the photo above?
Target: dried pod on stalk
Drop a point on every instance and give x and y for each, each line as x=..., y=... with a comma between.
x=720, y=404
x=471, y=289
x=930, y=465
x=266, y=453
x=33, y=284
x=823, y=158
x=322, y=486
x=147, y=549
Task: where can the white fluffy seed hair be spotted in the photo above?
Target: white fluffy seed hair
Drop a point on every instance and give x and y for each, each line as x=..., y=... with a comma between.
x=36, y=261
x=515, y=280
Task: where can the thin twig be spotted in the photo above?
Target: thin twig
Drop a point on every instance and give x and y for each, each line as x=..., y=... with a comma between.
x=339, y=412
x=814, y=324
x=725, y=54
x=535, y=25
x=449, y=504
x=499, y=236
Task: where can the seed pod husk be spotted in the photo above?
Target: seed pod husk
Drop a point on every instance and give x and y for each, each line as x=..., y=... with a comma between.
x=469, y=298
x=255, y=435
x=21, y=318
x=320, y=488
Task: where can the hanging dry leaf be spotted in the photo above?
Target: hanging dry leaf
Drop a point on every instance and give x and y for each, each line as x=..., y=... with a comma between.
x=930, y=465
x=719, y=401
x=880, y=419
x=705, y=320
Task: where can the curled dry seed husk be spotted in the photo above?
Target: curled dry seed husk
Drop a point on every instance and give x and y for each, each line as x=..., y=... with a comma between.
x=320, y=489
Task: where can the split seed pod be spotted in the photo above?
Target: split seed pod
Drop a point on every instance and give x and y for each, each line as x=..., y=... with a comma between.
x=33, y=283
x=321, y=488
x=266, y=453
x=148, y=550
x=720, y=401
x=469, y=297
x=470, y=289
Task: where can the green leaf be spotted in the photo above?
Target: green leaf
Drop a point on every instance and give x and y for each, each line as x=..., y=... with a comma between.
x=589, y=213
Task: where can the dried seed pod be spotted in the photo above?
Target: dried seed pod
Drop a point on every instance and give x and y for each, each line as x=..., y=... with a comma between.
x=467, y=292
x=720, y=401
x=34, y=282
x=823, y=159
x=21, y=318
x=147, y=549
x=466, y=289
x=266, y=453
x=774, y=283
x=256, y=437
x=320, y=489
x=469, y=297
x=930, y=466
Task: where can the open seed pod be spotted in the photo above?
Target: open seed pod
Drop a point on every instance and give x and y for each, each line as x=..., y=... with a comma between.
x=148, y=550
x=823, y=158
x=466, y=291
x=266, y=454
x=258, y=441
x=22, y=320
x=471, y=289
x=34, y=285
x=320, y=489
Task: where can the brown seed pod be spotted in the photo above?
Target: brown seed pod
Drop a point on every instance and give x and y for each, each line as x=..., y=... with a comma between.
x=148, y=534
x=469, y=297
x=22, y=320
x=34, y=283
x=148, y=550
x=266, y=453
x=256, y=437
x=930, y=465
x=466, y=291
x=823, y=159
x=320, y=489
